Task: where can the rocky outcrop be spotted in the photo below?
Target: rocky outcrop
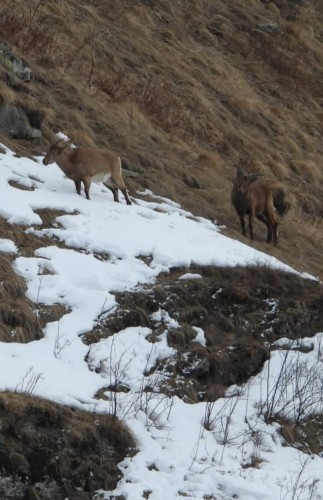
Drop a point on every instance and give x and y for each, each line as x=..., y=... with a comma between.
x=15, y=63
x=14, y=123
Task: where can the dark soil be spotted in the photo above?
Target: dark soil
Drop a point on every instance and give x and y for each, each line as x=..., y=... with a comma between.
x=242, y=311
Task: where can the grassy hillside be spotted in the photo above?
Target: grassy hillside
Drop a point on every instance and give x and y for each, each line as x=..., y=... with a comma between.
x=184, y=91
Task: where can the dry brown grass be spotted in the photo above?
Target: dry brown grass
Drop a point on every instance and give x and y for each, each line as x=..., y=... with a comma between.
x=57, y=452
x=230, y=305
x=185, y=91
x=7, y=95
x=305, y=436
x=20, y=319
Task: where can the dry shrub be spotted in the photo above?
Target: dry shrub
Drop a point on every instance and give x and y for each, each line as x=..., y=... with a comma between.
x=305, y=436
x=82, y=137
x=74, y=452
x=279, y=169
x=7, y=96
x=12, y=285
x=49, y=216
x=156, y=97
x=244, y=107
x=79, y=122
x=18, y=321
x=308, y=169
x=50, y=313
x=27, y=26
x=18, y=185
x=149, y=82
x=212, y=159
x=291, y=145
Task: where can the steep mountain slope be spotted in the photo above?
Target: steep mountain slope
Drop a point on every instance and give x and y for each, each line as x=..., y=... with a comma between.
x=184, y=91
x=149, y=315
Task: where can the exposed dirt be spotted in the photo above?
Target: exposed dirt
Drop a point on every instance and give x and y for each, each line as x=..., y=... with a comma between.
x=241, y=310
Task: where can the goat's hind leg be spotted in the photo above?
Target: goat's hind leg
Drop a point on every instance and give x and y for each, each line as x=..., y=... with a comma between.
x=121, y=185
x=251, y=216
x=243, y=225
x=87, y=185
x=125, y=194
x=114, y=191
x=270, y=216
x=264, y=219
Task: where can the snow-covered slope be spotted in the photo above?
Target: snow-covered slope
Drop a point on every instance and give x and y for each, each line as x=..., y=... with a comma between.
x=235, y=454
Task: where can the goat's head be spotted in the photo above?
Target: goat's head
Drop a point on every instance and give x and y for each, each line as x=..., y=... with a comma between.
x=242, y=180
x=54, y=150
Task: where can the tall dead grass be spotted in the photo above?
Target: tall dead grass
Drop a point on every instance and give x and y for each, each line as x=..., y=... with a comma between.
x=18, y=321
x=168, y=84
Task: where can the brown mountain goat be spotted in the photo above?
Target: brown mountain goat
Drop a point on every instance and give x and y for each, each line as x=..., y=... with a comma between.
x=253, y=197
x=86, y=164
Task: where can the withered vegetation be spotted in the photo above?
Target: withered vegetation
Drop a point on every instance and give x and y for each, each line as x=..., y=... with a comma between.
x=184, y=91
x=20, y=319
x=51, y=451
x=242, y=311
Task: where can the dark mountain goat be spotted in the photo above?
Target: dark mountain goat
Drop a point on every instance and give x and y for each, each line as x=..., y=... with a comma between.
x=86, y=164
x=254, y=197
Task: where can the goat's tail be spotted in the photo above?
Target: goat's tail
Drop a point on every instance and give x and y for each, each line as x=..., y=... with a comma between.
x=126, y=170
x=280, y=203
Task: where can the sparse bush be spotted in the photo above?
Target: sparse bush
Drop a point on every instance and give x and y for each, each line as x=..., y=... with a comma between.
x=297, y=391
x=60, y=451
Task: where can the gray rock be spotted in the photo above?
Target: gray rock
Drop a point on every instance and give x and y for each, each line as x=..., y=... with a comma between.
x=11, y=488
x=268, y=27
x=14, y=123
x=15, y=63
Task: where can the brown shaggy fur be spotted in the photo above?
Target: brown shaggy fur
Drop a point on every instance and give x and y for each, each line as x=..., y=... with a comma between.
x=256, y=198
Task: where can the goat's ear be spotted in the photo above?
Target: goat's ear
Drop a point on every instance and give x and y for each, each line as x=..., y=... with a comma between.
x=251, y=178
x=240, y=173
x=60, y=145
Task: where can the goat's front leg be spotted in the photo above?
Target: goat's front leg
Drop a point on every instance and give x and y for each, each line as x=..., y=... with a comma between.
x=87, y=184
x=78, y=186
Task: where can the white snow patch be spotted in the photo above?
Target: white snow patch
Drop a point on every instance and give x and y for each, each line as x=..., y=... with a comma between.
x=7, y=246
x=190, y=276
x=177, y=456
